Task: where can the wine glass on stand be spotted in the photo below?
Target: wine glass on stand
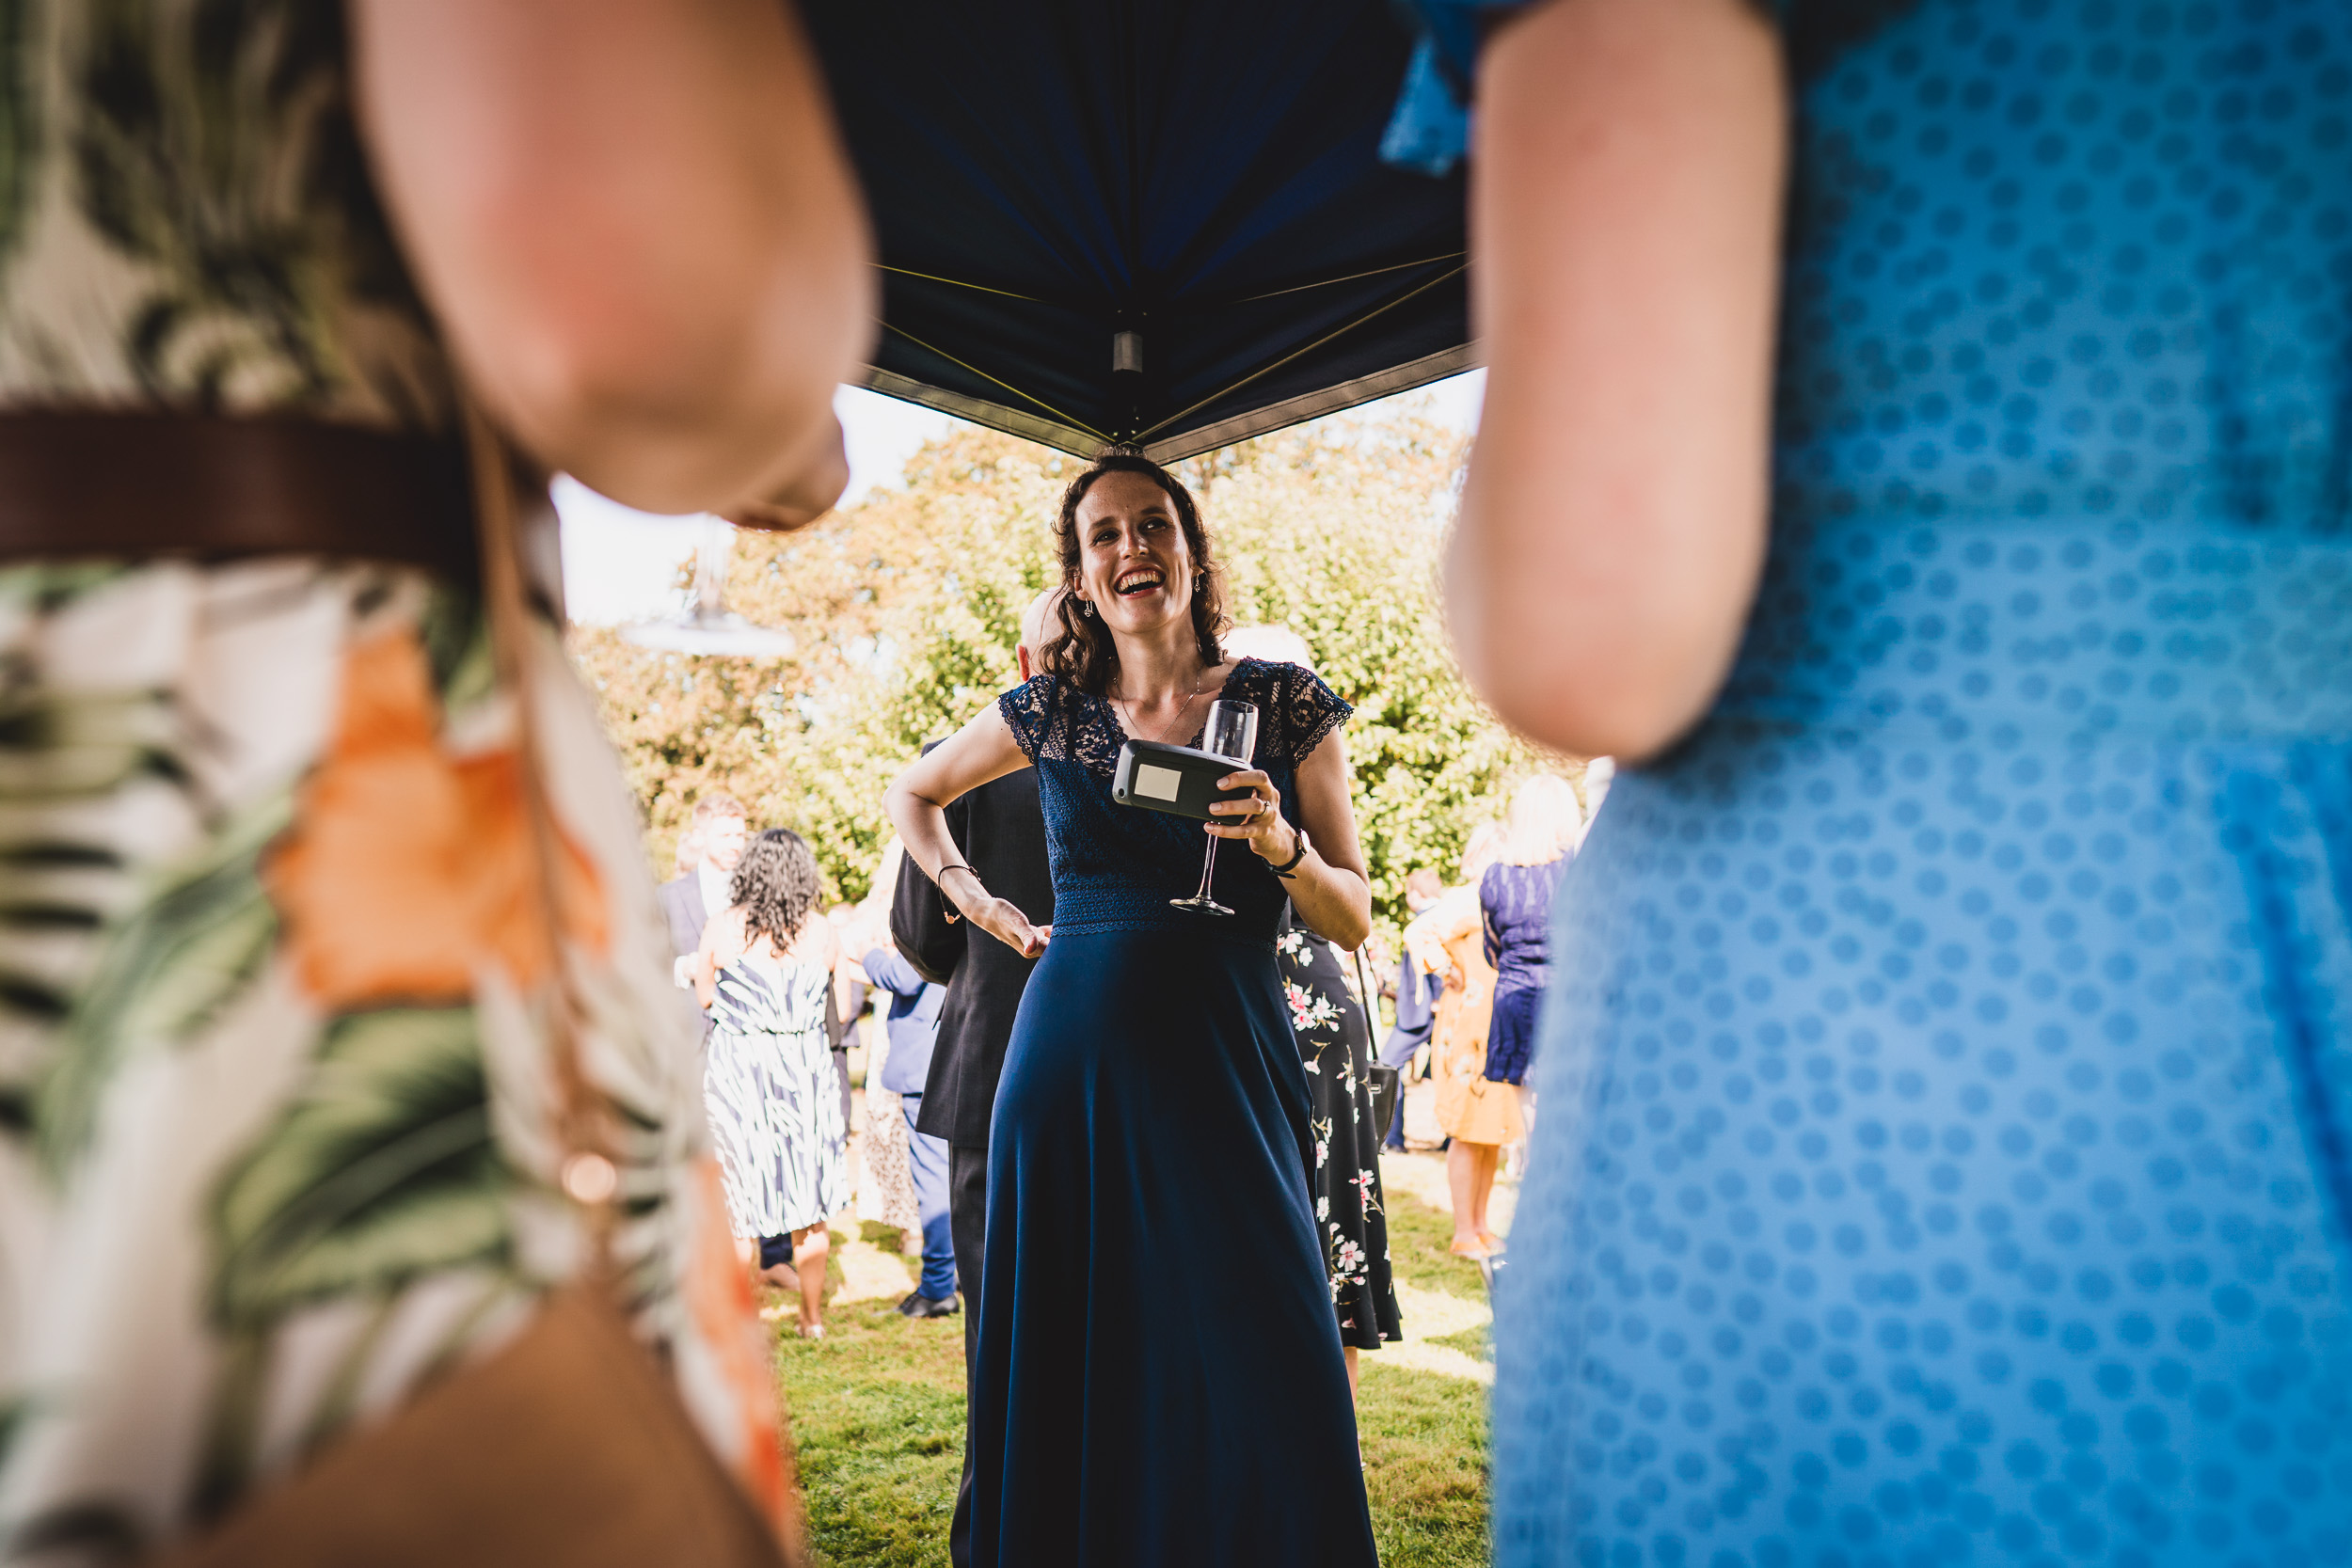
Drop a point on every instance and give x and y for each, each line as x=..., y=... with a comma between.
x=1232, y=733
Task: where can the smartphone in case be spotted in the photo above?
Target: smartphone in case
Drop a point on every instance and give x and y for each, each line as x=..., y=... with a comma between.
x=1174, y=778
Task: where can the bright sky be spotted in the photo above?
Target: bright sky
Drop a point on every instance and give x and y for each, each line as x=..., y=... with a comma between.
x=619, y=564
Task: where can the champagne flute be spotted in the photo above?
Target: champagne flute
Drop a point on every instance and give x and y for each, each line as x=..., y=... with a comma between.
x=1232, y=733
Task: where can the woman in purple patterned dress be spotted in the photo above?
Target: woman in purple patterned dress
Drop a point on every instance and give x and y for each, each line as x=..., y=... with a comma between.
x=1514, y=903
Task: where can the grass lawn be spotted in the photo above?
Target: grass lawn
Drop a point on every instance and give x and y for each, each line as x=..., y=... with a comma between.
x=877, y=1413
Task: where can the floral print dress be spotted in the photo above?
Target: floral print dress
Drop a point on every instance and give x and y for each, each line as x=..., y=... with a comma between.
x=278, y=1141
x=276, y=1144
x=1334, y=1044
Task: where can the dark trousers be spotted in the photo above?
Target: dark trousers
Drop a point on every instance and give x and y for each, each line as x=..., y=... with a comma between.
x=967, y=1217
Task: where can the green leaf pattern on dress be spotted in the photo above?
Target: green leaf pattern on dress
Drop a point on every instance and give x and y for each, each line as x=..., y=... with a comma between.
x=165, y=970
x=380, y=1169
x=182, y=181
x=19, y=126
x=383, y=1204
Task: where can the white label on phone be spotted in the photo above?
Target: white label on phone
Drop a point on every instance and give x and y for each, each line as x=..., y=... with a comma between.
x=1160, y=783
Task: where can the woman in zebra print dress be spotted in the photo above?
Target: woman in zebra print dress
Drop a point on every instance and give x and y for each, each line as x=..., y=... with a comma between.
x=768, y=1082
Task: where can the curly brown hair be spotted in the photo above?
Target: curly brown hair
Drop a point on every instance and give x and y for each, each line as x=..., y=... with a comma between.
x=1081, y=652
x=775, y=885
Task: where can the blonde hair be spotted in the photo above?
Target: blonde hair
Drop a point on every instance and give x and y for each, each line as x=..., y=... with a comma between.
x=1275, y=645
x=1544, y=821
x=1485, y=844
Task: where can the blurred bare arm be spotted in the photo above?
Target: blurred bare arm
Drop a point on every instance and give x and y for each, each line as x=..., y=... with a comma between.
x=636, y=221
x=1625, y=219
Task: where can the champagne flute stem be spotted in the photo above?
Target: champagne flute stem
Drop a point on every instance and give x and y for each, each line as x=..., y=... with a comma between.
x=1208, y=870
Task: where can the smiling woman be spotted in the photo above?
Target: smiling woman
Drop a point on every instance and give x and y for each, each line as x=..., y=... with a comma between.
x=1168, y=545
x=1148, y=1032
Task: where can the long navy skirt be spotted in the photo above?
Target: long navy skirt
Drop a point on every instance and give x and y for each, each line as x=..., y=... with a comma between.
x=1159, y=1378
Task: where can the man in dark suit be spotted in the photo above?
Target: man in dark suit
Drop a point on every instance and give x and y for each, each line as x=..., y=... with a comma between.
x=1000, y=830
x=690, y=900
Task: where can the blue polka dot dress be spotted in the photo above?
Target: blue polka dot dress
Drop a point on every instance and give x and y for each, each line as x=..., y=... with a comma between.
x=1944, y=1148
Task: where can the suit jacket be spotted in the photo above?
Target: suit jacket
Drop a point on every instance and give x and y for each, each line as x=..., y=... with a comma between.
x=682, y=907
x=1000, y=827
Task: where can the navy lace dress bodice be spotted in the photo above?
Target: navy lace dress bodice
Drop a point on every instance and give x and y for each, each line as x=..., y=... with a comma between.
x=1116, y=868
x=1948, y=1079
x=1155, y=1110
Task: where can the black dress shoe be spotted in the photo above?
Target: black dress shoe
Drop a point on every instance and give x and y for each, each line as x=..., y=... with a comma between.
x=917, y=1305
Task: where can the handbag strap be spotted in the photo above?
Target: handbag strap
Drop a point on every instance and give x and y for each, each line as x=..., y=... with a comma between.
x=1371, y=999
x=583, y=1117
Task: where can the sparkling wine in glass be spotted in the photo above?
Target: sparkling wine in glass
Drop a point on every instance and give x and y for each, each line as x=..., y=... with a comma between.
x=1233, y=734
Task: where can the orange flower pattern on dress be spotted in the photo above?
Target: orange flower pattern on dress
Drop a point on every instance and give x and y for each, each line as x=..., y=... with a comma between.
x=301, y=926
x=441, y=846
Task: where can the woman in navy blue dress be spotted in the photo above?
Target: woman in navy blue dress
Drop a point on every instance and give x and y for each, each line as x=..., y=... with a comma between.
x=1153, y=1115
x=1945, y=1149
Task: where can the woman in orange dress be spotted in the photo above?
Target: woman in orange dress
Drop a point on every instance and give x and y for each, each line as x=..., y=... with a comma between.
x=1448, y=938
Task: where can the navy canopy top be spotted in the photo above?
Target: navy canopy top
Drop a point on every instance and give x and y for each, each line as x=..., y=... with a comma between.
x=1162, y=221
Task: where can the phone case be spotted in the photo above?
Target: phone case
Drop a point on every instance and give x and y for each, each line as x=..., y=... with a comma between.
x=1174, y=778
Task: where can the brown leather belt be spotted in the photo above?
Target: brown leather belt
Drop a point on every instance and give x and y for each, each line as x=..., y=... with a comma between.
x=139, y=485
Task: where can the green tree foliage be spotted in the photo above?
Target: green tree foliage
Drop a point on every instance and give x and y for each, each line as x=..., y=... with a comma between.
x=905, y=606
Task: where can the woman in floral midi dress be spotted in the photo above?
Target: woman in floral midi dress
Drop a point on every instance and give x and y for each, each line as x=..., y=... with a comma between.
x=1335, y=1045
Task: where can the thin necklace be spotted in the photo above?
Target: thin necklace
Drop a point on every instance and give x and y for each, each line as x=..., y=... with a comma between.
x=1162, y=737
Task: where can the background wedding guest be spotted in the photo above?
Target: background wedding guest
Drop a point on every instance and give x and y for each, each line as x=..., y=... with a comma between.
x=688, y=855
x=1334, y=1038
x=845, y=1004
x=715, y=832
x=1515, y=898
x=1334, y=1034
x=1413, y=994
x=1600, y=773
x=912, y=1027
x=1448, y=939
x=765, y=965
x=1000, y=830
x=879, y=1140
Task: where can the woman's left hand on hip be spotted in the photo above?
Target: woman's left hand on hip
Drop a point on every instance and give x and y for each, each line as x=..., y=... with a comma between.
x=1257, y=820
